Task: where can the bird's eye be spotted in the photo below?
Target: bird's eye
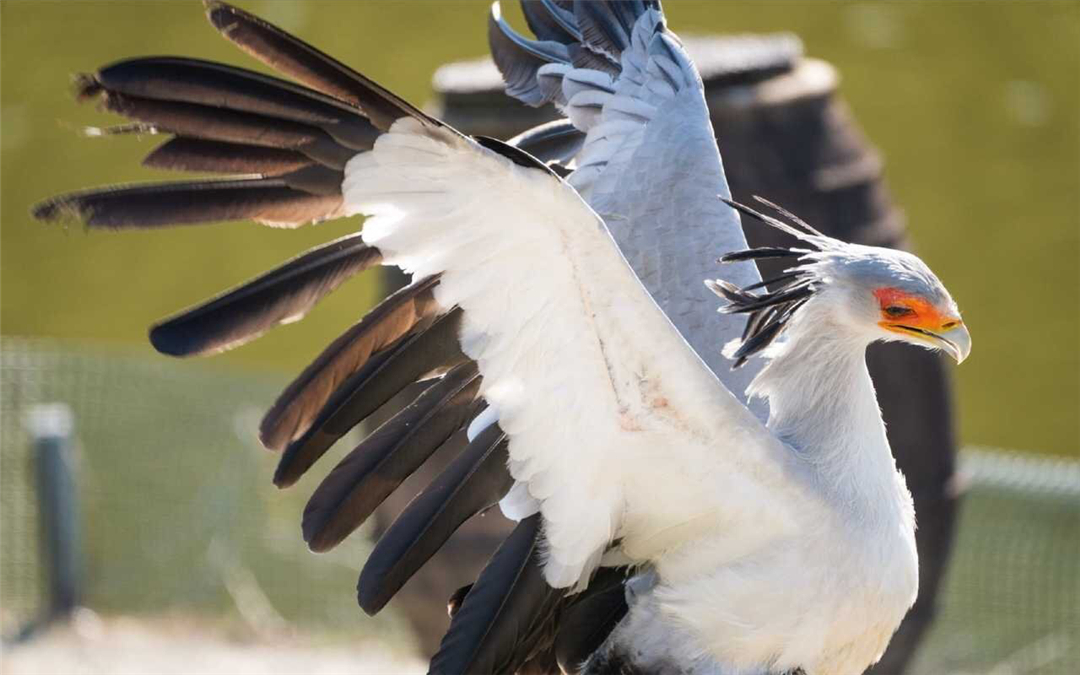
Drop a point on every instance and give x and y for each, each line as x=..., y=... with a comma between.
x=897, y=311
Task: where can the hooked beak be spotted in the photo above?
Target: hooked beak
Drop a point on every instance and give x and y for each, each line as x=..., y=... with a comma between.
x=956, y=341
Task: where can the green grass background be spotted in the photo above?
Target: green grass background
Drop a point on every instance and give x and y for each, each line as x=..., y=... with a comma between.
x=975, y=106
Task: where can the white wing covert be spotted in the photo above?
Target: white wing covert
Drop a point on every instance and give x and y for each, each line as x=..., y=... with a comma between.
x=596, y=390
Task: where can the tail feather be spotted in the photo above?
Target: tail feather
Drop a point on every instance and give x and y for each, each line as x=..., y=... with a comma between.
x=375, y=468
x=392, y=319
x=281, y=295
x=430, y=350
x=476, y=480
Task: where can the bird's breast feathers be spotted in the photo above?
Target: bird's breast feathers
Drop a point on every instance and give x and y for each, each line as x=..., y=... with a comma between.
x=775, y=593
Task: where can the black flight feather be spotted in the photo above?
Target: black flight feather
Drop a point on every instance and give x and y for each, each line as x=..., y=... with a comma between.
x=290, y=55
x=518, y=58
x=588, y=620
x=209, y=156
x=547, y=51
x=557, y=141
x=318, y=436
x=188, y=80
x=490, y=631
x=266, y=200
x=278, y=296
x=548, y=21
x=375, y=468
x=430, y=350
x=514, y=154
x=603, y=28
x=399, y=314
x=242, y=128
x=316, y=179
x=582, y=57
x=475, y=480
x=453, y=603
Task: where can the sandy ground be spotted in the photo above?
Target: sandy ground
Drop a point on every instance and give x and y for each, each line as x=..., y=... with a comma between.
x=120, y=646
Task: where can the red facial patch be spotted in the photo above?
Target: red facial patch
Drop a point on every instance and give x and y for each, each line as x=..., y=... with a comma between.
x=920, y=313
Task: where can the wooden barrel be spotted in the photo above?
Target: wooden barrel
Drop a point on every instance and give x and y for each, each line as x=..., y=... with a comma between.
x=786, y=135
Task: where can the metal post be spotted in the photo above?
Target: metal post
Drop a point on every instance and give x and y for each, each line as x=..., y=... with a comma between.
x=50, y=428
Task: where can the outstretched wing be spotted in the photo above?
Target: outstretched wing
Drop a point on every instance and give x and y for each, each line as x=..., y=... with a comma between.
x=649, y=163
x=594, y=388
x=607, y=420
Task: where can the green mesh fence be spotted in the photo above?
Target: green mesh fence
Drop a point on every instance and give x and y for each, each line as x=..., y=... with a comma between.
x=1011, y=600
x=178, y=511
x=178, y=515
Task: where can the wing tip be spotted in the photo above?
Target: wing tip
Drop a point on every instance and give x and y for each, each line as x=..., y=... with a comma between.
x=66, y=209
x=218, y=12
x=286, y=473
x=226, y=18
x=312, y=528
x=86, y=86
x=371, y=594
x=317, y=527
x=164, y=340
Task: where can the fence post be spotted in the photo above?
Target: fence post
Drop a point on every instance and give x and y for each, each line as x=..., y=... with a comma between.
x=50, y=428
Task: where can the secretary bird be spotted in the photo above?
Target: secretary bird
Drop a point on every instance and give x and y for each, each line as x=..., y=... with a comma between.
x=562, y=328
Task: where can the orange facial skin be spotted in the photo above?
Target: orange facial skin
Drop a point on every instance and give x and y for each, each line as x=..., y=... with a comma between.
x=902, y=312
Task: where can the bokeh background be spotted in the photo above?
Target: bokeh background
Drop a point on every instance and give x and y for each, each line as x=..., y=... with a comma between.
x=975, y=107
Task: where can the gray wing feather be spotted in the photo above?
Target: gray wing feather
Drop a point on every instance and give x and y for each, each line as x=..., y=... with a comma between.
x=649, y=164
x=661, y=204
x=651, y=167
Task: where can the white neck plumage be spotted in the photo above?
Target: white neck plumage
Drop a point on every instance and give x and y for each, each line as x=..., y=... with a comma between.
x=822, y=403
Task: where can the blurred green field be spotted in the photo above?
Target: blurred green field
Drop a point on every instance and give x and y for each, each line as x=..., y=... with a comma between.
x=976, y=107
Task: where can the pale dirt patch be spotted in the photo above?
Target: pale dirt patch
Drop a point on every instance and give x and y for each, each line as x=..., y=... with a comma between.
x=90, y=645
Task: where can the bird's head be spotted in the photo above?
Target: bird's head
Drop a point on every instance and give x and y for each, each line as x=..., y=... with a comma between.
x=872, y=293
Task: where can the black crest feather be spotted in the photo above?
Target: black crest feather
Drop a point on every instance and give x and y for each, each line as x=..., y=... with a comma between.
x=770, y=311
